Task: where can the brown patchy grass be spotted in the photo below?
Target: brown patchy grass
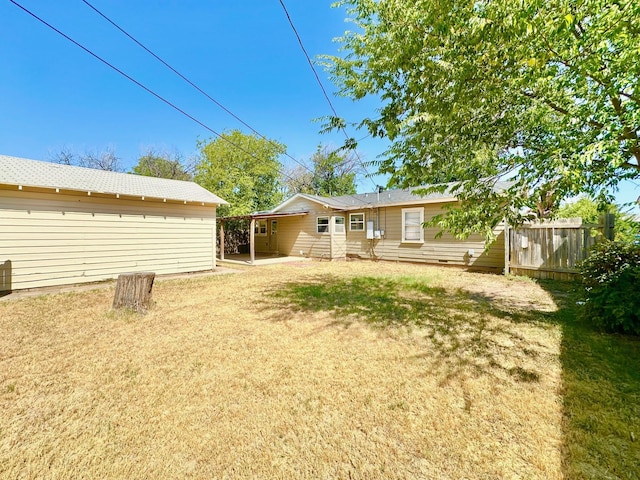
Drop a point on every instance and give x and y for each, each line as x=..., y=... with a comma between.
x=320, y=370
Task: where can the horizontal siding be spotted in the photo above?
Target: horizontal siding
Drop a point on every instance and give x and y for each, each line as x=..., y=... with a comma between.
x=444, y=250
x=55, y=239
x=297, y=236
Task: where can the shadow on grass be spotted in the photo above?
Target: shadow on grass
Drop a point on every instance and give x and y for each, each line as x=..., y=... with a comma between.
x=601, y=397
x=484, y=334
x=468, y=331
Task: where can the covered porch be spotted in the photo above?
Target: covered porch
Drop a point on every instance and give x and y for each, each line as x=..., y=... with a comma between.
x=264, y=226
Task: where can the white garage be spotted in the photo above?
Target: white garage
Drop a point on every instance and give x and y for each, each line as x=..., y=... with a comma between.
x=63, y=224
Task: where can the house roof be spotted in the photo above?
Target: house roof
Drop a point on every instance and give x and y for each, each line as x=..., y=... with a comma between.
x=385, y=198
x=33, y=173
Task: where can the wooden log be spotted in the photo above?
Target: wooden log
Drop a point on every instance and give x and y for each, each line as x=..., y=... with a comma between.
x=133, y=290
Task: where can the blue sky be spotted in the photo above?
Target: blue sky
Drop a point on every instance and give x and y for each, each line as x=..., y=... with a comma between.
x=243, y=53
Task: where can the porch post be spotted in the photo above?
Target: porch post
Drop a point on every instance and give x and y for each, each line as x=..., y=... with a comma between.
x=252, y=246
x=221, y=239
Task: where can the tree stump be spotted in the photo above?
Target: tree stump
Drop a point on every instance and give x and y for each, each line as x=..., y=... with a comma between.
x=133, y=290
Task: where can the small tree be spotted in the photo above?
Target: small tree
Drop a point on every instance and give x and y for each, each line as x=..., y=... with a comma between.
x=103, y=160
x=331, y=173
x=162, y=165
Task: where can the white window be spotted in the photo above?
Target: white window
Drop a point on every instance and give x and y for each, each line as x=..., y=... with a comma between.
x=338, y=226
x=356, y=222
x=323, y=224
x=261, y=228
x=274, y=227
x=412, y=220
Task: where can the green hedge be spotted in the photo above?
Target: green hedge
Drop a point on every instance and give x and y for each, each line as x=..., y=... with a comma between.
x=611, y=282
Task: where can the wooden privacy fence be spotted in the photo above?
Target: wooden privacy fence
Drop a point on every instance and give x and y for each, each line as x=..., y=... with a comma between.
x=553, y=249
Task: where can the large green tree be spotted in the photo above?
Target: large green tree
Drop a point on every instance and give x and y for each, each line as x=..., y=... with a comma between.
x=162, y=165
x=331, y=172
x=243, y=170
x=545, y=93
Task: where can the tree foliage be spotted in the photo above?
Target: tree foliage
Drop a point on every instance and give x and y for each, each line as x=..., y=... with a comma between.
x=243, y=170
x=332, y=172
x=162, y=165
x=101, y=160
x=625, y=228
x=611, y=279
x=543, y=93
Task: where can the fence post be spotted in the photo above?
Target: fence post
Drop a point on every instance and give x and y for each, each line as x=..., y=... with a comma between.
x=608, y=226
x=507, y=247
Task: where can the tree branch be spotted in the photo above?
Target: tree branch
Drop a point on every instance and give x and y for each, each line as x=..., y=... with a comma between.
x=599, y=81
x=559, y=109
x=628, y=133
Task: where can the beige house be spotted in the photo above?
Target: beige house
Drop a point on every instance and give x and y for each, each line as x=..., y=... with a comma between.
x=63, y=224
x=383, y=226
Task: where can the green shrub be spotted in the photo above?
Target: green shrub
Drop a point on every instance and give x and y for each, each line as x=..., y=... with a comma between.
x=611, y=281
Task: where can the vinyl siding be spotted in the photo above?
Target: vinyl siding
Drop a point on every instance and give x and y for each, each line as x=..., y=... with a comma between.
x=444, y=250
x=57, y=238
x=298, y=236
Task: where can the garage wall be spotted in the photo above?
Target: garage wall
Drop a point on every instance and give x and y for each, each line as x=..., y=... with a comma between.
x=63, y=238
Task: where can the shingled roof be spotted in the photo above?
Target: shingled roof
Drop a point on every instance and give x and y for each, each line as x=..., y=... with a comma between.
x=385, y=198
x=33, y=173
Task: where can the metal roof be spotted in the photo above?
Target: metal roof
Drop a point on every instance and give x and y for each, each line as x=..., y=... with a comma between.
x=33, y=173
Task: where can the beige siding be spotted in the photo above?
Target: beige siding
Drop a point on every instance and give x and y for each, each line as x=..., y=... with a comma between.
x=443, y=250
x=298, y=236
x=54, y=239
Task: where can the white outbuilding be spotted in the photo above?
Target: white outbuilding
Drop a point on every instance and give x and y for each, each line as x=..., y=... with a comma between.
x=62, y=224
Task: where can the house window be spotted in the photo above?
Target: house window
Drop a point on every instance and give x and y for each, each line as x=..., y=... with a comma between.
x=338, y=226
x=356, y=222
x=412, y=220
x=323, y=224
x=274, y=227
x=261, y=228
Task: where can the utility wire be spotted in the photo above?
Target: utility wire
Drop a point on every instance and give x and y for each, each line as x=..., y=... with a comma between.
x=324, y=91
x=147, y=89
x=183, y=77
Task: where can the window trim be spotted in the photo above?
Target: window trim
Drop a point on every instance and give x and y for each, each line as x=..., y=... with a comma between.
x=356, y=222
x=404, y=224
x=343, y=224
x=324, y=225
x=257, y=229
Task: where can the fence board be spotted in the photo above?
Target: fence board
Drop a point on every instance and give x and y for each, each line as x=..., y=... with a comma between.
x=553, y=249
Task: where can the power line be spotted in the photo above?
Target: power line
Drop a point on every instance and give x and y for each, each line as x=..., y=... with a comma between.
x=200, y=90
x=147, y=89
x=324, y=91
x=183, y=77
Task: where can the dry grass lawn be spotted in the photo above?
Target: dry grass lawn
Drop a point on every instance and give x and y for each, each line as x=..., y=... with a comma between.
x=317, y=370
